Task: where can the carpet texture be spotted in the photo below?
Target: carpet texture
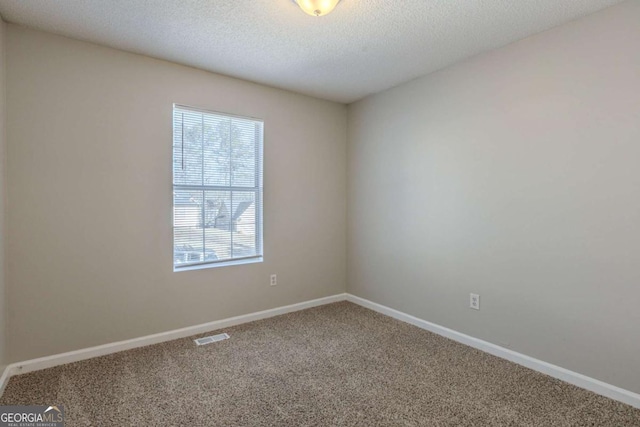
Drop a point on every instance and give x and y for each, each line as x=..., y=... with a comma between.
x=335, y=365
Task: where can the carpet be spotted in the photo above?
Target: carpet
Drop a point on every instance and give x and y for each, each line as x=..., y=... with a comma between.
x=335, y=365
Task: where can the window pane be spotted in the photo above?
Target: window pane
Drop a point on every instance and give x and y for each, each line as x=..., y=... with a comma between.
x=243, y=153
x=244, y=224
x=187, y=226
x=218, y=229
x=217, y=167
x=187, y=148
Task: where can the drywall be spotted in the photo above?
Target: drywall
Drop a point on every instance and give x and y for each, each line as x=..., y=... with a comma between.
x=513, y=175
x=89, y=134
x=3, y=300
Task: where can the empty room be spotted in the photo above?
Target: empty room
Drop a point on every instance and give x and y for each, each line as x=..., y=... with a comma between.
x=319, y=213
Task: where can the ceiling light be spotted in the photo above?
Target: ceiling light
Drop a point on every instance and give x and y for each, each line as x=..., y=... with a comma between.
x=317, y=7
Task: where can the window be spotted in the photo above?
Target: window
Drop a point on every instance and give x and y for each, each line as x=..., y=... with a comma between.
x=217, y=188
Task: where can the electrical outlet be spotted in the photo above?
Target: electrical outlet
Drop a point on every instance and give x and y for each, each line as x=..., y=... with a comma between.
x=474, y=301
x=274, y=279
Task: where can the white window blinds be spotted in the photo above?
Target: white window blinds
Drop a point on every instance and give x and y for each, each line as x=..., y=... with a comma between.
x=217, y=187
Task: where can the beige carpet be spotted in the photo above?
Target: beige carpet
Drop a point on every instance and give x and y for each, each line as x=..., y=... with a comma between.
x=336, y=365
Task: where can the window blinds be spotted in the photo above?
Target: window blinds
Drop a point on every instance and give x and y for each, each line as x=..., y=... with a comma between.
x=217, y=187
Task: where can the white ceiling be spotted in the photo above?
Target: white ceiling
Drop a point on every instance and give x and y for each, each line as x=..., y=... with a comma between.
x=363, y=47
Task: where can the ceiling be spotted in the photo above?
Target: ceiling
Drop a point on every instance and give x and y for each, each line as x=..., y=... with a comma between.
x=363, y=47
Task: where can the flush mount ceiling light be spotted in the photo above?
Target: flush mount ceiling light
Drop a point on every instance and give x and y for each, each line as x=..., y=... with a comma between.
x=317, y=7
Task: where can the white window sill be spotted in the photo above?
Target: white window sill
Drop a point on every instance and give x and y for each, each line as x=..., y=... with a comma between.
x=218, y=264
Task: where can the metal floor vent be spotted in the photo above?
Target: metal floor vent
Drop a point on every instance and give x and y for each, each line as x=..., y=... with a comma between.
x=211, y=339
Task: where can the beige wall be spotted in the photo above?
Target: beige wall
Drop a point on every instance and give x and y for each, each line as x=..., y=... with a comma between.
x=513, y=175
x=3, y=301
x=89, y=183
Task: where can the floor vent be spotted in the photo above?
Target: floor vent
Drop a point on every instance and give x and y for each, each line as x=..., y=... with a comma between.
x=211, y=339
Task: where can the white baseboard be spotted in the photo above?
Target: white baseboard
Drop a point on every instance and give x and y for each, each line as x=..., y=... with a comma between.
x=582, y=381
x=102, y=350
x=4, y=379
x=563, y=374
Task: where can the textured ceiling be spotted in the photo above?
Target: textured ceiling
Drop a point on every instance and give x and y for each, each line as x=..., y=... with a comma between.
x=363, y=47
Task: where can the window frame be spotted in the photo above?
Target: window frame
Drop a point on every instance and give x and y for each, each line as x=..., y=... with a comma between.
x=257, y=189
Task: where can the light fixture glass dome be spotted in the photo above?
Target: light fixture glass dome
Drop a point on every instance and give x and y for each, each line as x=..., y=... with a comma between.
x=317, y=7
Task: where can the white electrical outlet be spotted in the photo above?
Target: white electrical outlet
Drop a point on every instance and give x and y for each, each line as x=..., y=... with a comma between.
x=474, y=301
x=274, y=279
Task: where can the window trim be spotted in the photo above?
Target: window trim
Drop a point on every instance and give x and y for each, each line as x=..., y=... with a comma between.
x=258, y=189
